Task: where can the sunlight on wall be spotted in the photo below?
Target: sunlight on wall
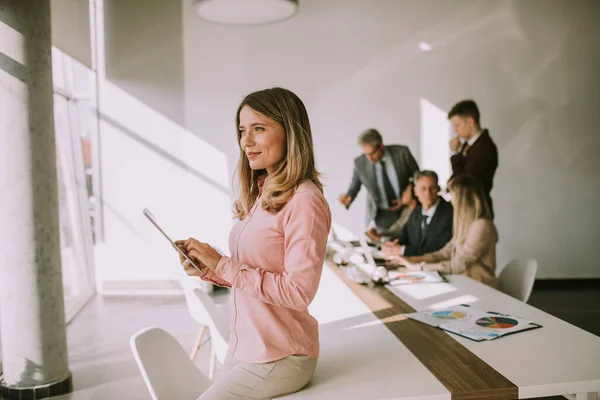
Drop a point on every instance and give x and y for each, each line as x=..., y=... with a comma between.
x=149, y=161
x=435, y=135
x=12, y=44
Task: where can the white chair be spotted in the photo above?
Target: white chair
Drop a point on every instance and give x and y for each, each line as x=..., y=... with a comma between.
x=166, y=368
x=208, y=314
x=518, y=277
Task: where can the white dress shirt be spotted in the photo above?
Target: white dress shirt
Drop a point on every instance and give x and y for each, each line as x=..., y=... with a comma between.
x=429, y=214
x=470, y=142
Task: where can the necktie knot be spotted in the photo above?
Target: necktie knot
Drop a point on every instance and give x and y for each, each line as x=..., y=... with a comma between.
x=465, y=148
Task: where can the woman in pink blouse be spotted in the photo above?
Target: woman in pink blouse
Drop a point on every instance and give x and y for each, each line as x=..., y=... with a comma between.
x=277, y=252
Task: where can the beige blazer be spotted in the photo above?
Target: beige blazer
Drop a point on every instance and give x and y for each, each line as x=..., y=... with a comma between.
x=476, y=257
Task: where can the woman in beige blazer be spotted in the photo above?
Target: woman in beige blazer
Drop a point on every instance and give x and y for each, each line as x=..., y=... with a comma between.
x=472, y=250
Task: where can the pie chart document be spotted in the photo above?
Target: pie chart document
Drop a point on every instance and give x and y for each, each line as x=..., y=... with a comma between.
x=472, y=323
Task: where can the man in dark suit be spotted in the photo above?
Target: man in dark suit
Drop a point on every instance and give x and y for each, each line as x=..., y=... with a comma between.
x=385, y=171
x=474, y=151
x=429, y=227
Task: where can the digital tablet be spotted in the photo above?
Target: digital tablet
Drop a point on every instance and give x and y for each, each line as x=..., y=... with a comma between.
x=150, y=217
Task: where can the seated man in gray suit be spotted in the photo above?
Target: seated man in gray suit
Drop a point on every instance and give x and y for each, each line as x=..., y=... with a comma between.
x=385, y=172
x=429, y=227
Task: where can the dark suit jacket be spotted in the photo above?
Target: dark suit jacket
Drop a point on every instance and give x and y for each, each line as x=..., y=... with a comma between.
x=439, y=231
x=481, y=161
x=364, y=174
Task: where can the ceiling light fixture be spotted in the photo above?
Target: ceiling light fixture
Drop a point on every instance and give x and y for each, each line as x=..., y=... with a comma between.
x=245, y=12
x=424, y=46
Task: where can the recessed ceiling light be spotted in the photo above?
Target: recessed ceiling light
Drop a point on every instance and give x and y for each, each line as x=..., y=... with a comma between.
x=245, y=12
x=424, y=46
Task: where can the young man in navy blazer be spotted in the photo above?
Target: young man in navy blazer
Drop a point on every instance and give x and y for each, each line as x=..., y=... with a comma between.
x=474, y=151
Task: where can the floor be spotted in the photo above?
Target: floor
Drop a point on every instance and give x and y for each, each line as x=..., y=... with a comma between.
x=103, y=366
x=98, y=338
x=577, y=302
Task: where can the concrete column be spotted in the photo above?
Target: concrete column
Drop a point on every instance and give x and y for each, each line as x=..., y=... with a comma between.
x=32, y=317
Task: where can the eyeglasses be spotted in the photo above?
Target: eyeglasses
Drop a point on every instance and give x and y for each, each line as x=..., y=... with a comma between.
x=374, y=151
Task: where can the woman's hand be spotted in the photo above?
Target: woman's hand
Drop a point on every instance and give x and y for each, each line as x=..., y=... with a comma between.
x=201, y=253
x=407, y=264
x=189, y=269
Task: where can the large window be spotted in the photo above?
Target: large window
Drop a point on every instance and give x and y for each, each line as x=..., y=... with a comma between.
x=75, y=124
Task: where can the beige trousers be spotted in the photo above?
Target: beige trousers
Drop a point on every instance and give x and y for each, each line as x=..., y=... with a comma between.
x=241, y=380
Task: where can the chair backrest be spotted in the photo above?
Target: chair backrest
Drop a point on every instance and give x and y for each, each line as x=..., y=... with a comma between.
x=218, y=324
x=166, y=367
x=196, y=309
x=518, y=277
x=205, y=311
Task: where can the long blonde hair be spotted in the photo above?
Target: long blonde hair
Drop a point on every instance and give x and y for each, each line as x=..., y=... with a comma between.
x=298, y=164
x=470, y=204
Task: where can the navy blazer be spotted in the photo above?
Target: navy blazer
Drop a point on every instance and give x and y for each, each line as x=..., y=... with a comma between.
x=438, y=233
x=481, y=161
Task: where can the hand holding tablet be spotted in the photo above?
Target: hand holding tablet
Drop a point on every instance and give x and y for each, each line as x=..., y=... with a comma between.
x=183, y=254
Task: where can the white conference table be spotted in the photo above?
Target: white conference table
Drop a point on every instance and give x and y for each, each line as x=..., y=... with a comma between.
x=558, y=359
x=362, y=359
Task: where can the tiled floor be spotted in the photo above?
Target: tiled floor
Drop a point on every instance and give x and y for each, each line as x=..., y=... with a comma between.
x=103, y=366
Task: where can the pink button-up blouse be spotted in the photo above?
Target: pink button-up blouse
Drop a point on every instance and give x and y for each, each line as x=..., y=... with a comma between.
x=274, y=273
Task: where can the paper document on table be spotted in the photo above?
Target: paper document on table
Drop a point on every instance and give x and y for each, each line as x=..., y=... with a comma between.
x=397, y=277
x=436, y=318
x=472, y=323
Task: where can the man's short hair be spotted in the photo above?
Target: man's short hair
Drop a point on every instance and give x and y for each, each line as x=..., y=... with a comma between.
x=425, y=174
x=370, y=136
x=465, y=108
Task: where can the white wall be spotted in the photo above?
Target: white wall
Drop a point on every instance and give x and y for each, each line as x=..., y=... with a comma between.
x=147, y=159
x=531, y=65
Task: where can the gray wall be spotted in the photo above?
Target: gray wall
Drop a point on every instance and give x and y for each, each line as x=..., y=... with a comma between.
x=71, y=29
x=143, y=44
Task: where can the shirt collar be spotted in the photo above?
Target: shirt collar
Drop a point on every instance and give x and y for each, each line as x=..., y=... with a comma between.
x=385, y=157
x=474, y=138
x=429, y=213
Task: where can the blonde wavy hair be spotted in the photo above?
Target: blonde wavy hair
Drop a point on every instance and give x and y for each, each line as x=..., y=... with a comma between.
x=298, y=164
x=470, y=204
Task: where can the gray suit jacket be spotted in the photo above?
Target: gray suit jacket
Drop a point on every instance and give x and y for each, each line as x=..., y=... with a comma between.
x=364, y=174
